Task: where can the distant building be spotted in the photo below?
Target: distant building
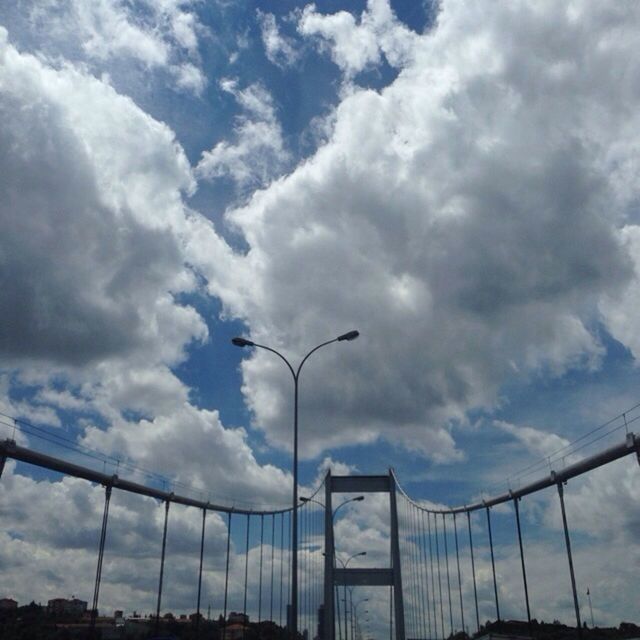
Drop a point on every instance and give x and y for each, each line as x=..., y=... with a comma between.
x=238, y=618
x=503, y=636
x=65, y=607
x=236, y=626
x=8, y=604
x=234, y=631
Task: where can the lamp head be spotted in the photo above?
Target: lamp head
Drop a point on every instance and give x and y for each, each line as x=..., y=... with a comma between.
x=351, y=335
x=362, y=553
x=358, y=499
x=242, y=342
x=302, y=499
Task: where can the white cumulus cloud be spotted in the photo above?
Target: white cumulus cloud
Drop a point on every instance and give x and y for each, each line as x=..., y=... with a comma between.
x=466, y=218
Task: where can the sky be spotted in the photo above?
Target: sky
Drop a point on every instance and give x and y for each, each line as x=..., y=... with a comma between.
x=456, y=180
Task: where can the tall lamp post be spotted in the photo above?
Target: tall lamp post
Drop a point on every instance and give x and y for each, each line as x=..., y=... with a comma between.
x=243, y=342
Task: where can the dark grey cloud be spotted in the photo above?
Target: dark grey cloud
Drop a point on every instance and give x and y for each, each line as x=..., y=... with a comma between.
x=83, y=271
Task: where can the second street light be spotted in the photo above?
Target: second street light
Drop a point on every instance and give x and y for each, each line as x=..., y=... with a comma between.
x=243, y=342
x=354, y=613
x=333, y=519
x=344, y=566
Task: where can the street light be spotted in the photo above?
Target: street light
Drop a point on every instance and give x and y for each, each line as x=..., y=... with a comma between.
x=243, y=342
x=344, y=566
x=333, y=515
x=358, y=633
x=354, y=612
x=357, y=499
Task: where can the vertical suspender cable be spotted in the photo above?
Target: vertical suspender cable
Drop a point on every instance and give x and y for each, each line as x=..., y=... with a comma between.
x=493, y=564
x=260, y=573
x=337, y=597
x=473, y=571
x=524, y=570
x=346, y=619
x=416, y=538
x=310, y=584
x=422, y=556
x=314, y=572
x=435, y=530
x=446, y=556
x=568, y=544
x=226, y=575
x=273, y=546
x=407, y=593
x=390, y=612
x=281, y=567
x=164, y=546
x=311, y=570
x=423, y=621
x=204, y=518
x=412, y=559
x=288, y=608
x=455, y=531
x=427, y=591
x=303, y=567
x=416, y=562
x=246, y=573
x=433, y=578
x=308, y=570
x=103, y=535
x=289, y=578
x=320, y=562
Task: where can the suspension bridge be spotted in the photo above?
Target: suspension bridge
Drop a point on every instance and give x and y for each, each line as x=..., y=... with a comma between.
x=429, y=585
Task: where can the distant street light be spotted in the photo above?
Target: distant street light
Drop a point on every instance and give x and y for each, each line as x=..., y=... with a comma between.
x=356, y=499
x=243, y=342
x=354, y=612
x=333, y=515
x=333, y=519
x=344, y=566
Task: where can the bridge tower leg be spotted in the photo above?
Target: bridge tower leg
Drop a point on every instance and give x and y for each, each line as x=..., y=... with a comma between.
x=329, y=554
x=398, y=601
x=388, y=576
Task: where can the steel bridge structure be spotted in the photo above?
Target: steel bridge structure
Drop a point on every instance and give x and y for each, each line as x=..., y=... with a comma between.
x=429, y=551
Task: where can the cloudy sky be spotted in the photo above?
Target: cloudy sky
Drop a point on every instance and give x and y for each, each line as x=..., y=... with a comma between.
x=456, y=180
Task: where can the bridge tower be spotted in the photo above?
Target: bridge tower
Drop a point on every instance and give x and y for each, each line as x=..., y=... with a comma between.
x=379, y=577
